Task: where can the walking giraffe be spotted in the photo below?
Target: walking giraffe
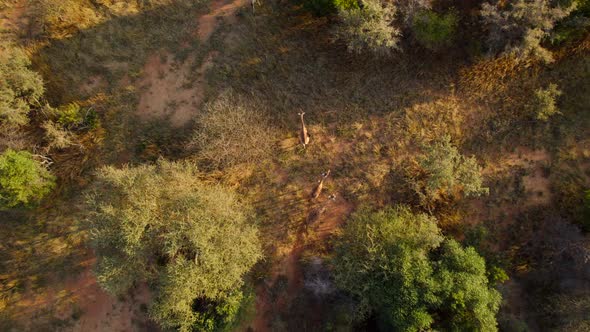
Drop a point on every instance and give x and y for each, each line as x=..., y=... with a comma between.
x=303, y=135
x=318, y=189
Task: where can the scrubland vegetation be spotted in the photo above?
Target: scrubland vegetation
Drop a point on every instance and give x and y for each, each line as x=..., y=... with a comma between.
x=153, y=177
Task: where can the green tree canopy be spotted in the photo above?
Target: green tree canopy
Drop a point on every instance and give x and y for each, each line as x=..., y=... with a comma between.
x=162, y=224
x=400, y=267
x=19, y=87
x=23, y=180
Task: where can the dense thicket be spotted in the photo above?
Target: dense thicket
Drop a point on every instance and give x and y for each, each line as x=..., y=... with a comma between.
x=193, y=241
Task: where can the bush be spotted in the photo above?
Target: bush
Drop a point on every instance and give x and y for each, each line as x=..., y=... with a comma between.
x=56, y=135
x=368, y=28
x=193, y=241
x=433, y=30
x=408, y=9
x=449, y=172
x=544, y=105
x=23, y=180
x=231, y=131
x=519, y=27
x=73, y=117
x=327, y=7
x=70, y=115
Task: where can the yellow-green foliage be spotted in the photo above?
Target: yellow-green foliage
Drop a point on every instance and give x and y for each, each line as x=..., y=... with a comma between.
x=23, y=180
x=368, y=28
x=162, y=224
x=545, y=103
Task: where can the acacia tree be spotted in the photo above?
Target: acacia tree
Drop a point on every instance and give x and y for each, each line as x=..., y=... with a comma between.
x=161, y=224
x=369, y=28
x=23, y=180
x=448, y=172
x=19, y=87
x=399, y=267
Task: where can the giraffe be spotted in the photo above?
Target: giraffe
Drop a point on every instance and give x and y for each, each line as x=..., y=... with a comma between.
x=303, y=135
x=315, y=214
x=318, y=189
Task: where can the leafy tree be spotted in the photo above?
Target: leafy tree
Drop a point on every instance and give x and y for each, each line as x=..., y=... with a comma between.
x=400, y=267
x=23, y=180
x=382, y=259
x=19, y=87
x=448, y=171
x=433, y=30
x=520, y=26
x=467, y=300
x=161, y=224
x=544, y=104
x=368, y=28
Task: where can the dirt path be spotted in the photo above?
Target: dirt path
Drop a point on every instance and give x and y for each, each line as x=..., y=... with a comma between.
x=290, y=266
x=164, y=83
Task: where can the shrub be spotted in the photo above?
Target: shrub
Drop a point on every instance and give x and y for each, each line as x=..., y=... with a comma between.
x=192, y=241
x=519, y=27
x=72, y=116
x=433, y=30
x=448, y=171
x=346, y=4
x=327, y=7
x=368, y=28
x=56, y=135
x=231, y=131
x=23, y=180
x=545, y=104
x=408, y=9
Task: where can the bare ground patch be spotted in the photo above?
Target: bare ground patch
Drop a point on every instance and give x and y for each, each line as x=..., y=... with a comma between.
x=166, y=91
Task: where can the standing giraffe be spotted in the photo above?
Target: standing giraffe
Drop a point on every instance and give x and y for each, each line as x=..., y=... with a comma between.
x=303, y=136
x=318, y=189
